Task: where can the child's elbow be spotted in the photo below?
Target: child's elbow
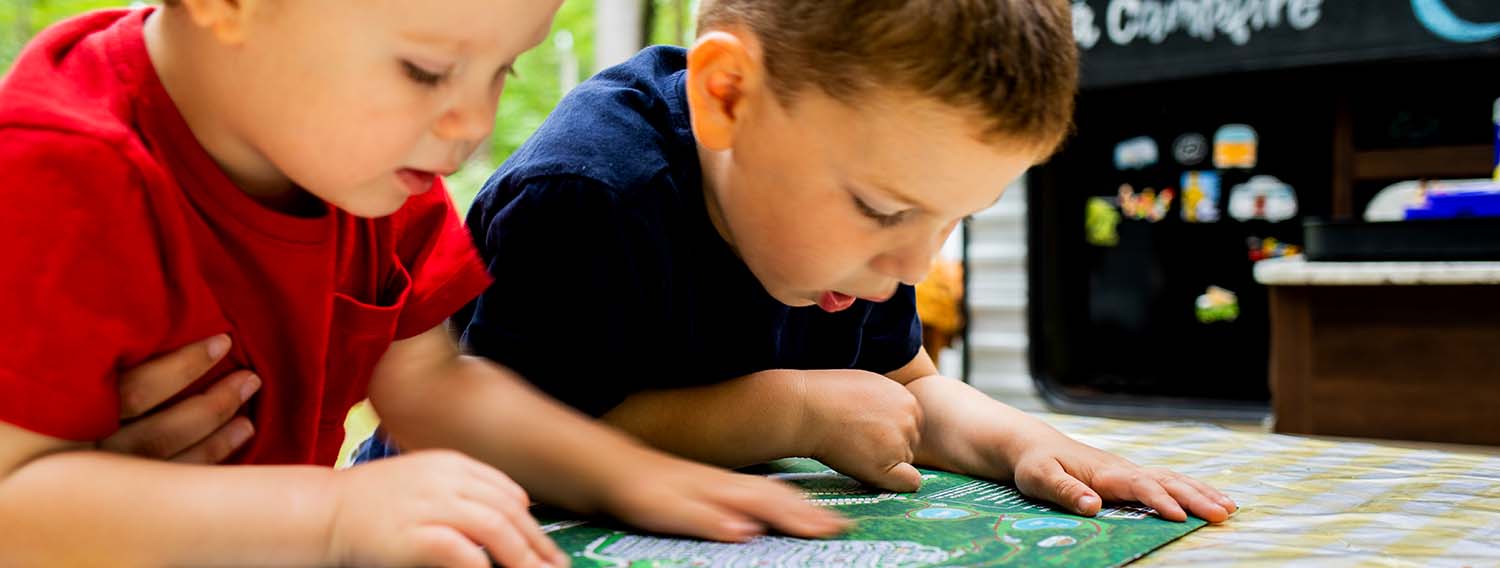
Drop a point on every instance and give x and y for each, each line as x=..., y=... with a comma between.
x=391, y=400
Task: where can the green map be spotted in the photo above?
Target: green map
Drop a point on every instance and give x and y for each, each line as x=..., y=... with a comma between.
x=954, y=520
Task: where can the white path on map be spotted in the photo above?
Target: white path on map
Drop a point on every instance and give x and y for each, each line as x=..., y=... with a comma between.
x=765, y=551
x=986, y=492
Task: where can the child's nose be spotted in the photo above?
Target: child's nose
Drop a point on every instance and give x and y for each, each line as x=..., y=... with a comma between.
x=469, y=121
x=912, y=262
x=909, y=265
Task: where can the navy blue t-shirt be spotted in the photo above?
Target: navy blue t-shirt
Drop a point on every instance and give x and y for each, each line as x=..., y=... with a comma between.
x=609, y=277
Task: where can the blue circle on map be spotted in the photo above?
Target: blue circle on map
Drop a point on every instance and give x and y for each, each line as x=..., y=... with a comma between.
x=942, y=513
x=1045, y=523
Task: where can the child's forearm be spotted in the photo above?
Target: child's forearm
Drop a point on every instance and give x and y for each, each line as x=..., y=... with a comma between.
x=969, y=432
x=469, y=404
x=740, y=422
x=96, y=509
x=430, y=396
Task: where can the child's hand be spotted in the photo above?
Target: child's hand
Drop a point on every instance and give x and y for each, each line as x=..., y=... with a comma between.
x=435, y=508
x=865, y=426
x=198, y=429
x=1063, y=471
x=671, y=495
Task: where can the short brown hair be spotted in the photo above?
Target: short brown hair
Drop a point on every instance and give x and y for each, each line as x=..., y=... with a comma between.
x=1013, y=62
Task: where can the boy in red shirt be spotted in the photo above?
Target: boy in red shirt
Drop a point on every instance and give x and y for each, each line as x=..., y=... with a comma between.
x=270, y=170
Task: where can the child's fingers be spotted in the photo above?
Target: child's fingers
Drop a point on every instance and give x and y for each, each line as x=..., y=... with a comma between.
x=1049, y=481
x=220, y=444
x=500, y=535
x=898, y=476
x=1196, y=501
x=696, y=518
x=526, y=525
x=169, y=432
x=497, y=480
x=157, y=380
x=498, y=497
x=903, y=477
x=1218, y=496
x=783, y=508
x=443, y=546
x=1149, y=490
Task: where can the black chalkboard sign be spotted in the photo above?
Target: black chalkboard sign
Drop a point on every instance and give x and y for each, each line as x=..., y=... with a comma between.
x=1133, y=41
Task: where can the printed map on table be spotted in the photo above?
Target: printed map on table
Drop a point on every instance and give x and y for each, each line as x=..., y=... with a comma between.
x=953, y=521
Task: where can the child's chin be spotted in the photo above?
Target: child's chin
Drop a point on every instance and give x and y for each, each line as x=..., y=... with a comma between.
x=371, y=208
x=794, y=300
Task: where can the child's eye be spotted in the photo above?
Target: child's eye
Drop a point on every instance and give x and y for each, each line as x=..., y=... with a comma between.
x=884, y=219
x=422, y=76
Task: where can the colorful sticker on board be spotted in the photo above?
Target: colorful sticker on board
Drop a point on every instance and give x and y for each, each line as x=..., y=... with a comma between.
x=1100, y=222
x=1200, y=197
x=1162, y=205
x=1235, y=146
x=1217, y=305
x=1146, y=205
x=1136, y=153
x=1127, y=200
x=1269, y=247
x=1263, y=197
x=1190, y=149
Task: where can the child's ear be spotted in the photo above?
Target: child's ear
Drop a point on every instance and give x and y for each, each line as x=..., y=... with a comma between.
x=225, y=18
x=722, y=76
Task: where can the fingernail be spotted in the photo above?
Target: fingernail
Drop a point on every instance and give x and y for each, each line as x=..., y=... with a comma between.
x=240, y=432
x=218, y=346
x=743, y=528
x=248, y=387
x=1086, y=503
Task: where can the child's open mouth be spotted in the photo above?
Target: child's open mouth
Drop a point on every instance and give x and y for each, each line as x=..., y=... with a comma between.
x=416, y=182
x=832, y=301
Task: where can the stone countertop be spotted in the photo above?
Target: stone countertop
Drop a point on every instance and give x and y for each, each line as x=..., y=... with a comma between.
x=1298, y=271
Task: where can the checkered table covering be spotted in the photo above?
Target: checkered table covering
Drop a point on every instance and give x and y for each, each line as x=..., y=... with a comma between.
x=1309, y=502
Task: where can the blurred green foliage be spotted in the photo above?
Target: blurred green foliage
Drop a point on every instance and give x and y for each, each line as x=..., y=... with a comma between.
x=21, y=19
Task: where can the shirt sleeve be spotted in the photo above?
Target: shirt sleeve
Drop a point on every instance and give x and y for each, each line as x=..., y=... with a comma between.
x=892, y=333
x=437, y=253
x=82, y=282
x=569, y=264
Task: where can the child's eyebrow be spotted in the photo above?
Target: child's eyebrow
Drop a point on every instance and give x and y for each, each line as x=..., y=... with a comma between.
x=898, y=196
x=913, y=203
x=435, y=40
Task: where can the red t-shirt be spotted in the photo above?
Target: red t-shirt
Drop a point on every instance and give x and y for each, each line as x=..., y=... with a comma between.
x=121, y=239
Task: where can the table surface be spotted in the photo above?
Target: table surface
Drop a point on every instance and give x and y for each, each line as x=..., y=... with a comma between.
x=1314, y=502
x=1298, y=271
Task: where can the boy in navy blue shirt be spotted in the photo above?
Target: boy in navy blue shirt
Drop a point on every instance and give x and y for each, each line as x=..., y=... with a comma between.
x=714, y=249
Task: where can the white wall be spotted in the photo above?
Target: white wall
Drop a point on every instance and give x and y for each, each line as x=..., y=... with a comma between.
x=997, y=301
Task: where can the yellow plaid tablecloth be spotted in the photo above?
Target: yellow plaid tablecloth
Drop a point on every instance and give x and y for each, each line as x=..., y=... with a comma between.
x=1309, y=502
x=1303, y=502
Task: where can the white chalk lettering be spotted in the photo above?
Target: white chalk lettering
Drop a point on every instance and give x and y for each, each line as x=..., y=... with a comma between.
x=1126, y=21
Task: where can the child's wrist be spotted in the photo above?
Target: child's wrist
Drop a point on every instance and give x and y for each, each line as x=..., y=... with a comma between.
x=789, y=420
x=809, y=431
x=333, y=491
